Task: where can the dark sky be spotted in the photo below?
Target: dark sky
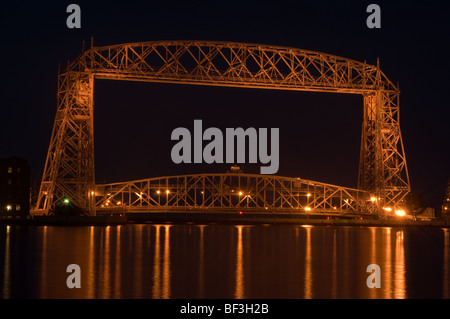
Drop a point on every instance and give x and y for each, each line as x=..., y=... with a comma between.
x=319, y=133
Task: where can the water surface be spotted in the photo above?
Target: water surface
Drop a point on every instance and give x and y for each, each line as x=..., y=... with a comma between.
x=224, y=261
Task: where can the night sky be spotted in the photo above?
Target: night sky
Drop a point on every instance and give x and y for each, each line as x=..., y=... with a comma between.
x=319, y=132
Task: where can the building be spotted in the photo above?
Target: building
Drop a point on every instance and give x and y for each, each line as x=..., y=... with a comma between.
x=14, y=187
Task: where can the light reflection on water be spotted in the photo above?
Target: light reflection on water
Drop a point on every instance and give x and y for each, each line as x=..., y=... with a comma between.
x=224, y=261
x=239, y=274
x=446, y=275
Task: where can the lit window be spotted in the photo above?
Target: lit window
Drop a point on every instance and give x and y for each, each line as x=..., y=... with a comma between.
x=10, y=169
x=17, y=207
x=9, y=182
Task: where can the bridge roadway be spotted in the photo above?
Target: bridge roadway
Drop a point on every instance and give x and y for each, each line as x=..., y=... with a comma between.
x=231, y=193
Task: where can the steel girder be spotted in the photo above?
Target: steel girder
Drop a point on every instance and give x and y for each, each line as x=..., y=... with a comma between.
x=69, y=169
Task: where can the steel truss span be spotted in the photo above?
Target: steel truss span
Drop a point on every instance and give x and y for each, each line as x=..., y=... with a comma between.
x=230, y=192
x=69, y=170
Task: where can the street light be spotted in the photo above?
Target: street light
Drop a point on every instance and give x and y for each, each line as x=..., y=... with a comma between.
x=158, y=192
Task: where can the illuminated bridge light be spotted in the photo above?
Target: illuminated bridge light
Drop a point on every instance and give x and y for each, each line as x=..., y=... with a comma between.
x=400, y=212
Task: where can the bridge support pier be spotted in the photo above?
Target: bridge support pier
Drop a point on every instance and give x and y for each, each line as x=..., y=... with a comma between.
x=382, y=165
x=69, y=173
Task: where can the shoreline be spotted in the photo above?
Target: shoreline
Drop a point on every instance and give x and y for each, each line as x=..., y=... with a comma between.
x=225, y=218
